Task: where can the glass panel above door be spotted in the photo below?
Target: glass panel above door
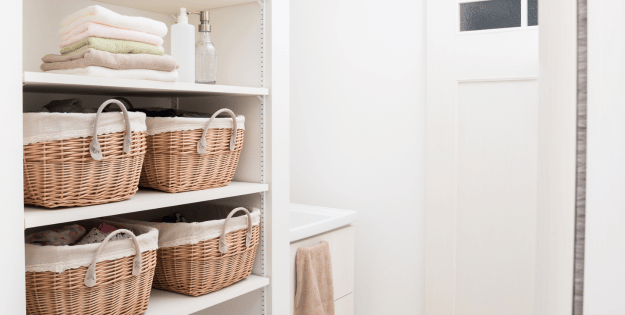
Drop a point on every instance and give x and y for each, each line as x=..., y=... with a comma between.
x=532, y=12
x=492, y=14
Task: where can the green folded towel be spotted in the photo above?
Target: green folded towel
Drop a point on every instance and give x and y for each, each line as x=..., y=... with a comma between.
x=115, y=46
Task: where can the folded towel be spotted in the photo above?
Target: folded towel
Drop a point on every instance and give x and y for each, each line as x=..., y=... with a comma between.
x=100, y=15
x=93, y=57
x=105, y=31
x=314, y=287
x=116, y=46
x=139, y=74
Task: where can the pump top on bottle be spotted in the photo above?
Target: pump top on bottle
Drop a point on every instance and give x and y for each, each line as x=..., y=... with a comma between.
x=205, y=53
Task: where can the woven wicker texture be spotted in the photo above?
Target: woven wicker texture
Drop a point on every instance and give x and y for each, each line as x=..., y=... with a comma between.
x=200, y=268
x=172, y=163
x=62, y=173
x=117, y=291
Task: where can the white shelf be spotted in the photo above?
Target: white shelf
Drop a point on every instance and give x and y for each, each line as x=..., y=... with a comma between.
x=167, y=303
x=171, y=7
x=42, y=82
x=142, y=200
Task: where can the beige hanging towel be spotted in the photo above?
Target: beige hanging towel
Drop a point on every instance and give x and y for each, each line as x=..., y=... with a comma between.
x=314, y=290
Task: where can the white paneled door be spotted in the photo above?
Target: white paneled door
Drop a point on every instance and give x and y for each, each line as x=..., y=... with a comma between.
x=482, y=142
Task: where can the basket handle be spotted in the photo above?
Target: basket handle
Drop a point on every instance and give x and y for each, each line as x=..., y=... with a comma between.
x=90, y=277
x=201, y=145
x=223, y=246
x=94, y=147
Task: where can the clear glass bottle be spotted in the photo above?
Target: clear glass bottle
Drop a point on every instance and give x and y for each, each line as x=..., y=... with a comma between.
x=205, y=60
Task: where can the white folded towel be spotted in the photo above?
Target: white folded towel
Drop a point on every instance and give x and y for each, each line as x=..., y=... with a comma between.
x=139, y=74
x=100, y=15
x=104, y=31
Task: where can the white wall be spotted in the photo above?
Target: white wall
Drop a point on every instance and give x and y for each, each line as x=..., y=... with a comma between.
x=604, y=289
x=358, y=136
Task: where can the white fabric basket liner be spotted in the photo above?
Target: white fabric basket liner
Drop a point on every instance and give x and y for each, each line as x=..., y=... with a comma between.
x=177, y=234
x=44, y=127
x=158, y=125
x=60, y=258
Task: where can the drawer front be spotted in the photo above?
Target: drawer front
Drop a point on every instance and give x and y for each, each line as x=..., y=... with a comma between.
x=344, y=305
x=341, y=243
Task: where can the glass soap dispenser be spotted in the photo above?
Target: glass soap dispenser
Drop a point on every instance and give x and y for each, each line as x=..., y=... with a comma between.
x=205, y=53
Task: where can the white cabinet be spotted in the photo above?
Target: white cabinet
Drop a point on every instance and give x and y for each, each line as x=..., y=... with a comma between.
x=341, y=243
x=344, y=305
x=252, y=39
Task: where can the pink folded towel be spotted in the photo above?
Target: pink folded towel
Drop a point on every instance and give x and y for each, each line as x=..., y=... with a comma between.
x=104, y=31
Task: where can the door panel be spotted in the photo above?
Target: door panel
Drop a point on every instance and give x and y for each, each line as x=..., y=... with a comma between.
x=511, y=53
x=496, y=217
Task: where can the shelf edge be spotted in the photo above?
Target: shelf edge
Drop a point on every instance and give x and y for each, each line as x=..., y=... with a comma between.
x=187, y=304
x=47, y=82
x=37, y=216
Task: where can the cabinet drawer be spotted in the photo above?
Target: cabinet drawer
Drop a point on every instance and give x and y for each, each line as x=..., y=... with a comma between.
x=341, y=243
x=344, y=305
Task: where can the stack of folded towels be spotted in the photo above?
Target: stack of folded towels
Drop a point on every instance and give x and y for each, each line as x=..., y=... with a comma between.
x=96, y=41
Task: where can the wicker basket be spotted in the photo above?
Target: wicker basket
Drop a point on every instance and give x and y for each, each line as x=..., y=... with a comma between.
x=122, y=286
x=191, y=159
x=199, y=265
x=84, y=171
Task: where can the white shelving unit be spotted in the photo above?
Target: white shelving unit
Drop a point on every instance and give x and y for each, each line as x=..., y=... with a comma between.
x=252, y=40
x=143, y=200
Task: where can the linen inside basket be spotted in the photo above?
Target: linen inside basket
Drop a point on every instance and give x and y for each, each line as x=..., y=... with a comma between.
x=61, y=258
x=204, y=223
